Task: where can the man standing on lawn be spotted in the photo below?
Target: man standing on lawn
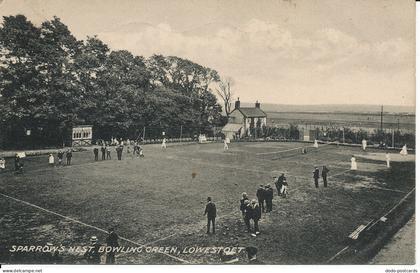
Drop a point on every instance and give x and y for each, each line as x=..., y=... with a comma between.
x=279, y=182
x=112, y=241
x=260, y=196
x=211, y=214
x=96, y=152
x=69, y=155
x=268, y=192
x=119, y=150
x=247, y=214
x=256, y=216
x=92, y=255
x=242, y=202
x=324, y=174
x=316, y=176
x=60, y=156
x=103, y=151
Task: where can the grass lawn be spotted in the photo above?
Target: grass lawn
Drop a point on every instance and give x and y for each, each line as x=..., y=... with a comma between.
x=155, y=200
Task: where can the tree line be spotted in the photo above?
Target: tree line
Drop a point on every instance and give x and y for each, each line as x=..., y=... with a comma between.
x=51, y=81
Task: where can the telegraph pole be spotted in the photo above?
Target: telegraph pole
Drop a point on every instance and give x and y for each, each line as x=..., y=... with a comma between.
x=382, y=118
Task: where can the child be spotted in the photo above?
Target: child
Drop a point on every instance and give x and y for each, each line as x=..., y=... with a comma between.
x=141, y=151
x=164, y=143
x=51, y=160
x=108, y=152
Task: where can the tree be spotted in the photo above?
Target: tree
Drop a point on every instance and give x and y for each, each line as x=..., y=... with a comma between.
x=50, y=81
x=225, y=93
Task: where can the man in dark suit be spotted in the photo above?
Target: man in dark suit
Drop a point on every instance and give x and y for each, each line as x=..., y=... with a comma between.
x=316, y=176
x=268, y=197
x=247, y=214
x=96, y=152
x=92, y=255
x=69, y=155
x=279, y=183
x=211, y=214
x=242, y=202
x=112, y=241
x=103, y=151
x=261, y=196
x=119, y=150
x=324, y=174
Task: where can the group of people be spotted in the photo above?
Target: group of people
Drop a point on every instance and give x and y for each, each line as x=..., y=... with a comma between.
x=324, y=174
x=60, y=156
x=93, y=254
x=251, y=209
x=106, y=150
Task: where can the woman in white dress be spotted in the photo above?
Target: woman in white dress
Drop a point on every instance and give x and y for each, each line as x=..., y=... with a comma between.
x=51, y=160
x=388, y=160
x=364, y=144
x=2, y=164
x=226, y=142
x=353, y=163
x=404, y=150
x=316, y=143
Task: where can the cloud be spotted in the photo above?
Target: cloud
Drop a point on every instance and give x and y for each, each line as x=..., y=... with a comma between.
x=260, y=53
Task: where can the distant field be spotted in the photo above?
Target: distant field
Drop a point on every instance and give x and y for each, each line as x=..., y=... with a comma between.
x=156, y=201
x=372, y=120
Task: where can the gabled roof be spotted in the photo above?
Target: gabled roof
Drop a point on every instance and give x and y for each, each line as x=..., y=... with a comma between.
x=252, y=112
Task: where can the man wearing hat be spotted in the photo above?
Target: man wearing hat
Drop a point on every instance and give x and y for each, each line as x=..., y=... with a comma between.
x=324, y=174
x=69, y=155
x=92, y=255
x=260, y=197
x=268, y=197
x=112, y=241
x=242, y=202
x=211, y=214
x=96, y=153
x=316, y=176
x=247, y=214
x=279, y=182
x=103, y=151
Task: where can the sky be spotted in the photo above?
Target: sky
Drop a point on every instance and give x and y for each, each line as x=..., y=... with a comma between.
x=276, y=51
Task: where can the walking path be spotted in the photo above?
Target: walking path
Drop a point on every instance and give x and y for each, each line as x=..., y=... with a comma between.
x=401, y=248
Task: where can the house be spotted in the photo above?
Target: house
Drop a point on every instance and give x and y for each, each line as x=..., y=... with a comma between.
x=245, y=121
x=82, y=135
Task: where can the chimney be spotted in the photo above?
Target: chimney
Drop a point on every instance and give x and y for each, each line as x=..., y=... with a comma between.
x=257, y=105
x=237, y=104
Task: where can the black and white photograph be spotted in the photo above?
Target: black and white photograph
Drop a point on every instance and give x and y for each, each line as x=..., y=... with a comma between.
x=207, y=132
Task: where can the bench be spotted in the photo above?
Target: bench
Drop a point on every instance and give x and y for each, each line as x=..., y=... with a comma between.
x=355, y=234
